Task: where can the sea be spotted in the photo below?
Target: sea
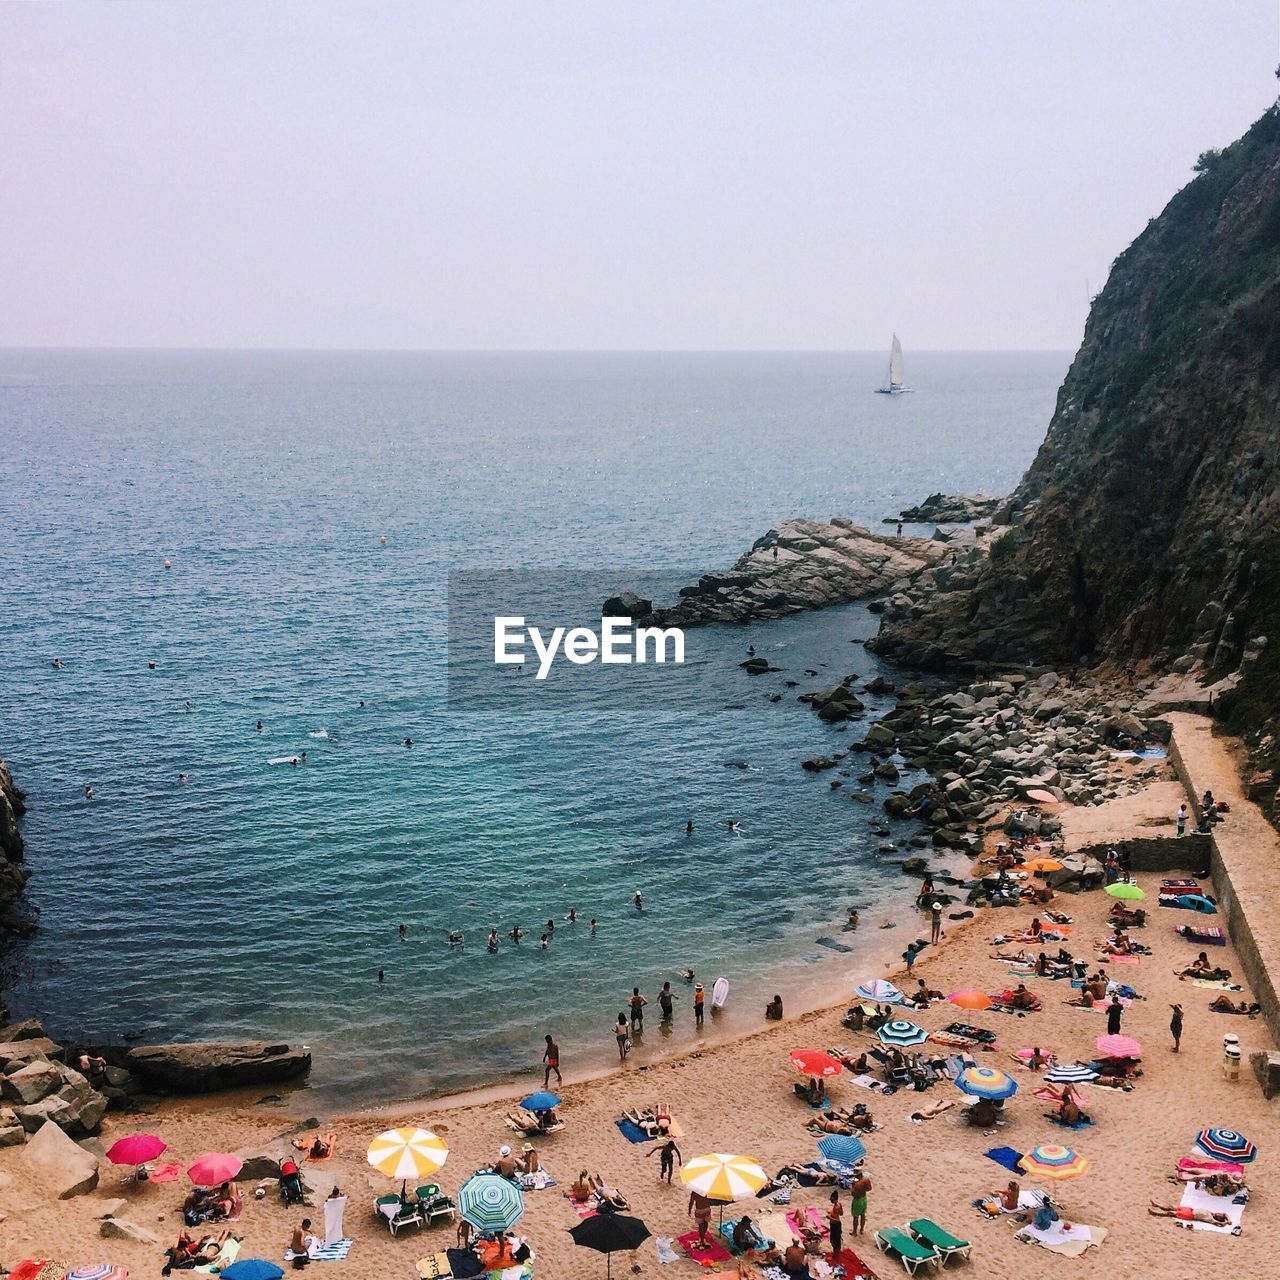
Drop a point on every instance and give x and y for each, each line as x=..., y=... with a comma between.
x=209, y=540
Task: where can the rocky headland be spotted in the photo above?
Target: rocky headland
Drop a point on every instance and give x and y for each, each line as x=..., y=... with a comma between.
x=13, y=875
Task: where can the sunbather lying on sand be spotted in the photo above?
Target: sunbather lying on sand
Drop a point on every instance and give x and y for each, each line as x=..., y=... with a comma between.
x=608, y=1198
x=1014, y=957
x=1225, y=1004
x=1068, y=1113
x=846, y=1122
x=655, y=1121
x=935, y=1108
x=1188, y=1214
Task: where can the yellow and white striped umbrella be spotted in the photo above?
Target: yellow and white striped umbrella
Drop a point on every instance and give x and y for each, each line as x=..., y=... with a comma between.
x=723, y=1177
x=407, y=1153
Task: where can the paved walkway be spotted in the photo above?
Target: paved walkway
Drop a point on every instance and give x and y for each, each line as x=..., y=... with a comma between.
x=1248, y=853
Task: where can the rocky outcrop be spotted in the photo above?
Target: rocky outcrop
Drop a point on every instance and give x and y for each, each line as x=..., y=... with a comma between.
x=209, y=1066
x=57, y=1166
x=800, y=565
x=1148, y=526
x=13, y=875
x=949, y=508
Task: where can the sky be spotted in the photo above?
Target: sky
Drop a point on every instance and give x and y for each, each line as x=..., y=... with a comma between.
x=609, y=174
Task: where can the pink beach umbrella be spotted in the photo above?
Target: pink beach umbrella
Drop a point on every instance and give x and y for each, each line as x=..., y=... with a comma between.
x=1119, y=1047
x=213, y=1168
x=137, y=1148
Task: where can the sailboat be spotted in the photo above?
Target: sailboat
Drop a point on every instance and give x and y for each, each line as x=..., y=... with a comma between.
x=893, y=380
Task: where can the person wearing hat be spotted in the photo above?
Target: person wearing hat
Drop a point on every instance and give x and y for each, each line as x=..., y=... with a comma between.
x=530, y=1162
x=699, y=997
x=506, y=1163
x=936, y=912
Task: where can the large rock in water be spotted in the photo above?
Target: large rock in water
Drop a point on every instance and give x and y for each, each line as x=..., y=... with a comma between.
x=57, y=1165
x=205, y=1067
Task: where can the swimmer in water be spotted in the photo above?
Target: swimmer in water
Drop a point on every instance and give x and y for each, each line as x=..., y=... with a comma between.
x=638, y=900
x=516, y=933
x=151, y=666
x=362, y=702
x=551, y=926
x=751, y=651
x=57, y=663
x=381, y=976
x=735, y=827
x=592, y=925
x=259, y=726
x=687, y=974
x=492, y=944
x=688, y=827
x=187, y=704
x=542, y=942
x=573, y=915
x=404, y=932
x=456, y=938
x=408, y=742
x=88, y=793
x=293, y=760
x=304, y=757
x=182, y=777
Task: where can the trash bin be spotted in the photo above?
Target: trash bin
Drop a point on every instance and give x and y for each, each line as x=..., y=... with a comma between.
x=1231, y=1057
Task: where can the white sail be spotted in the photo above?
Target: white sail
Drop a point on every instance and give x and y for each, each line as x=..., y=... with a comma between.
x=895, y=363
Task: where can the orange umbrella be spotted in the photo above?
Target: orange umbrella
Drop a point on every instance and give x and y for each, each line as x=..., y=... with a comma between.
x=1042, y=797
x=1040, y=866
x=971, y=999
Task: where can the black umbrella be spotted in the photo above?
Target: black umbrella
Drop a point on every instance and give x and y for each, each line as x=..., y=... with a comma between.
x=610, y=1233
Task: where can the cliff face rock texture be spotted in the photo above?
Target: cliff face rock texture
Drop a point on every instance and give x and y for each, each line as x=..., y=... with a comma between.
x=1148, y=526
x=12, y=875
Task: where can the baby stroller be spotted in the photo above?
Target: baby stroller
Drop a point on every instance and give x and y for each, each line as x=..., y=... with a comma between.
x=290, y=1181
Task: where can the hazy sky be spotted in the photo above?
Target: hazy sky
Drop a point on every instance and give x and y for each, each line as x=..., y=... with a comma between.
x=780, y=174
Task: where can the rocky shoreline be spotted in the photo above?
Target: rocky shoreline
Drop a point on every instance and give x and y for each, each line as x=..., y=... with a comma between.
x=13, y=875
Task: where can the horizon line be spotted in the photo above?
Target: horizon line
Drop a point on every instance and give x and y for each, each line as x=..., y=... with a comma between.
x=533, y=351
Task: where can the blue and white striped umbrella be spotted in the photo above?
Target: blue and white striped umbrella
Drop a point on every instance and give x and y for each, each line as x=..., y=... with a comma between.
x=900, y=1032
x=1226, y=1144
x=880, y=991
x=1070, y=1073
x=490, y=1203
x=842, y=1149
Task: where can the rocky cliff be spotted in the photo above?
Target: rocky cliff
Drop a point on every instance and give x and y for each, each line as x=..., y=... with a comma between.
x=1148, y=526
x=12, y=874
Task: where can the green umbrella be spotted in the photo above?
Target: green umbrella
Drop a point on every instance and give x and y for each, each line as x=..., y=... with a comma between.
x=1122, y=890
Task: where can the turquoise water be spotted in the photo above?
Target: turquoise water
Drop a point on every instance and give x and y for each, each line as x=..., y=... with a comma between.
x=260, y=900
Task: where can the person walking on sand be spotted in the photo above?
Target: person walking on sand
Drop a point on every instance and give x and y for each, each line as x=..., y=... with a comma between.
x=700, y=1212
x=638, y=1003
x=858, y=1204
x=671, y=1156
x=551, y=1059
x=936, y=928
x=699, y=1000
x=1175, y=1025
x=1181, y=819
x=1115, y=1011
x=621, y=1035
x=835, y=1224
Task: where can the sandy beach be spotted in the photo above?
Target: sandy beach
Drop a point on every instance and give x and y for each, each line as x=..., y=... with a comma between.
x=737, y=1097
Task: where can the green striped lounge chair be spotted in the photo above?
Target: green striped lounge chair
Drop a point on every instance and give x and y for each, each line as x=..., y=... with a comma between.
x=911, y=1253
x=928, y=1232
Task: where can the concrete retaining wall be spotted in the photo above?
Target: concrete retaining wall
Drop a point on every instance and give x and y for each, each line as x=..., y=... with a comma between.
x=1191, y=854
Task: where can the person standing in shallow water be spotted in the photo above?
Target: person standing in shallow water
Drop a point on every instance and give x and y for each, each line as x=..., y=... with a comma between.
x=699, y=998
x=621, y=1035
x=638, y=1003
x=551, y=1060
x=666, y=999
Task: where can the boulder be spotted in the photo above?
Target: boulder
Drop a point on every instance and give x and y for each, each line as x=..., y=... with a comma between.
x=817, y=764
x=31, y=1083
x=30, y=1029
x=203, y=1067
x=626, y=604
x=54, y=1162
x=123, y=1229
x=756, y=666
x=879, y=738
x=17, y=1053
x=12, y=1134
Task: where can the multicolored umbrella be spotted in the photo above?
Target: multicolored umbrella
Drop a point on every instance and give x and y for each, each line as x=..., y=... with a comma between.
x=1226, y=1144
x=540, y=1101
x=1119, y=1047
x=723, y=1177
x=879, y=991
x=214, y=1168
x=137, y=1148
x=986, y=1082
x=815, y=1062
x=1122, y=889
x=1053, y=1161
x=902, y=1033
x=1070, y=1073
x=971, y=999
x=844, y=1149
x=490, y=1202
x=105, y=1271
x=407, y=1153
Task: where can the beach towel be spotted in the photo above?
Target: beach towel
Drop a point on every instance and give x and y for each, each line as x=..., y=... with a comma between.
x=1216, y=984
x=1191, y=1170
x=167, y=1172
x=434, y=1266
x=632, y=1131
x=726, y=1229
x=583, y=1208
x=334, y=1208
x=335, y=1252
x=867, y=1082
x=666, y=1252
x=539, y=1181
x=304, y=1145
x=811, y=1221
x=1121, y=959
x=1193, y=885
x=1079, y=1124
x=778, y=1229
x=701, y=1254
x=991, y=1207
x=1068, y=1240
x=1006, y=1158
x=229, y=1252
x=853, y=1266
x=1211, y=935
x=1233, y=1206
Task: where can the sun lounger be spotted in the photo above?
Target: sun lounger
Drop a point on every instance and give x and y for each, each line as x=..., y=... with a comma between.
x=434, y=1205
x=398, y=1213
x=910, y=1252
x=928, y=1232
